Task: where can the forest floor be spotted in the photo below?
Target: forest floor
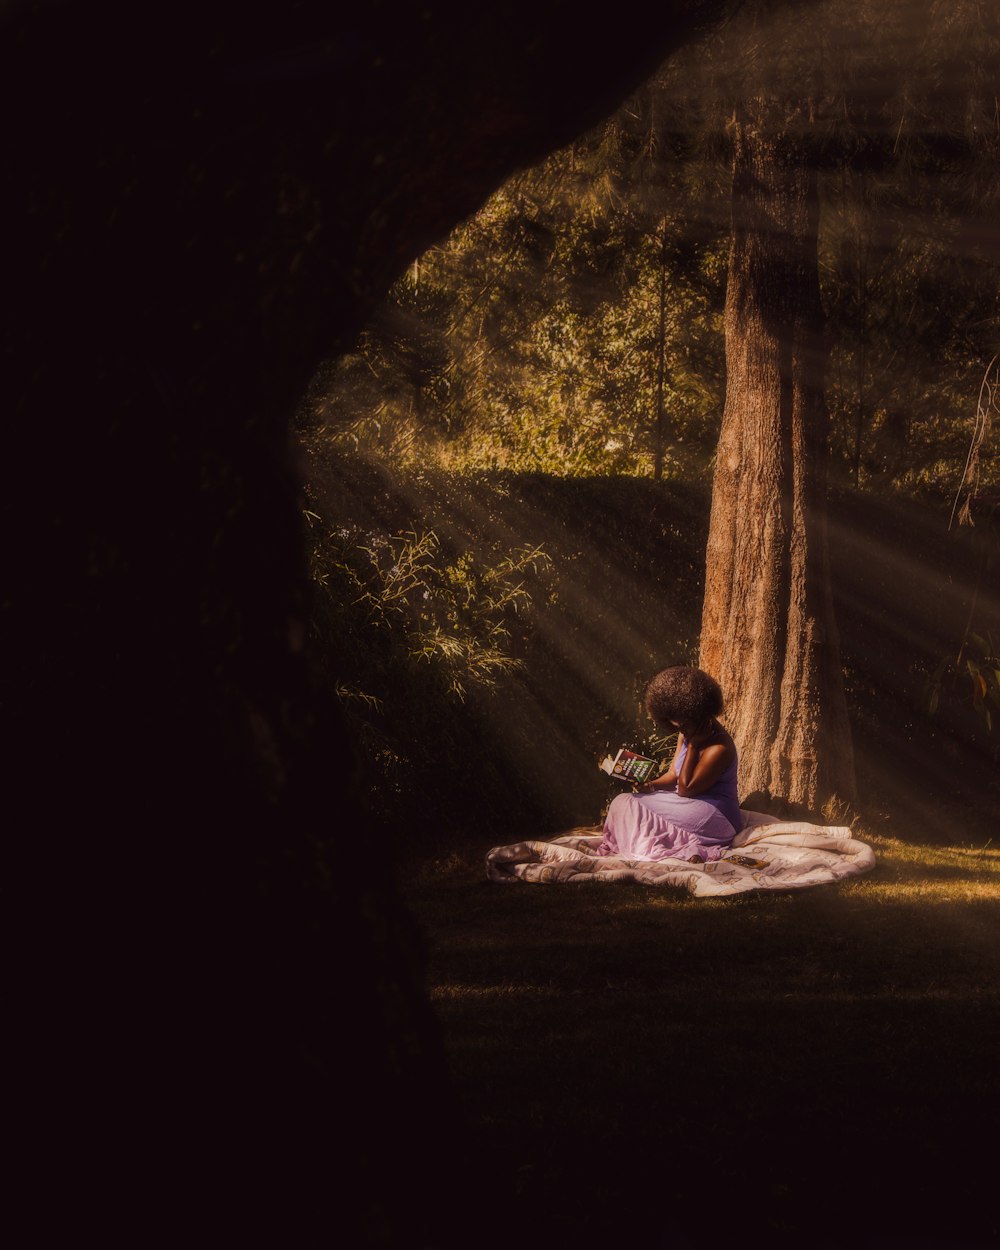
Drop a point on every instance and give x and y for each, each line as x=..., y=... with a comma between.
x=815, y=1068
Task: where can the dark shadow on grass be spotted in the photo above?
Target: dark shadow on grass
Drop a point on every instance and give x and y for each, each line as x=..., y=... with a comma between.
x=809, y=1069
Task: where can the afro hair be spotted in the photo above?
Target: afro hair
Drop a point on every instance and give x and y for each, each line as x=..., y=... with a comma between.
x=682, y=694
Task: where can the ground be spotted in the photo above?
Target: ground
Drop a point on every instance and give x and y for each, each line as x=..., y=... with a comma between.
x=809, y=1069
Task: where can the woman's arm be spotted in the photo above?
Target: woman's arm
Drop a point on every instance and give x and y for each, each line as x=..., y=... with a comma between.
x=669, y=778
x=690, y=763
x=707, y=767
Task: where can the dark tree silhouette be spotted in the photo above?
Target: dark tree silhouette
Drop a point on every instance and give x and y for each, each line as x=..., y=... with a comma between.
x=224, y=1037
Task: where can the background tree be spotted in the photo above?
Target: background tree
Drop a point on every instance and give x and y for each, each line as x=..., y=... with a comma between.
x=768, y=625
x=768, y=629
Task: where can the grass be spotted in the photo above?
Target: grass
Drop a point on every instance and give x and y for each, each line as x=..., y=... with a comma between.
x=812, y=1069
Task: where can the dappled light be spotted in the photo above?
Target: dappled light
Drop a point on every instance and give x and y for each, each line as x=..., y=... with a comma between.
x=621, y=597
x=598, y=623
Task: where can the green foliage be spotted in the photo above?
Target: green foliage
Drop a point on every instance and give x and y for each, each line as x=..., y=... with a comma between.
x=412, y=632
x=457, y=615
x=530, y=339
x=459, y=652
x=976, y=670
x=971, y=676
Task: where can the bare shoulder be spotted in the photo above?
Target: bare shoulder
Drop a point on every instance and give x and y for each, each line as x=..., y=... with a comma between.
x=724, y=745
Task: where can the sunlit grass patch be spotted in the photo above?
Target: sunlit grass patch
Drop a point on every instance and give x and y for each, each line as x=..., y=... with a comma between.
x=987, y=857
x=504, y=990
x=930, y=874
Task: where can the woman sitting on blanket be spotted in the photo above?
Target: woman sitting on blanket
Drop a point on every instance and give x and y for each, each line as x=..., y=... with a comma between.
x=692, y=812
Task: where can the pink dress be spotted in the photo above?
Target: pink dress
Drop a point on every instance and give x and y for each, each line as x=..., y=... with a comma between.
x=665, y=825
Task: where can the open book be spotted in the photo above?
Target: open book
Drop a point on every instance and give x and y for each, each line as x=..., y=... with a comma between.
x=628, y=766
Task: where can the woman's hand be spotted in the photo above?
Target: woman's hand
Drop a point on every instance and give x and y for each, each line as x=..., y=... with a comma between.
x=669, y=778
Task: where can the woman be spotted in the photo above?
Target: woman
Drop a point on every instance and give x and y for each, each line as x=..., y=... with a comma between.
x=692, y=812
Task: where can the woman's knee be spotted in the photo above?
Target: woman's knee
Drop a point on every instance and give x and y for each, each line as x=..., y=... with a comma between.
x=621, y=803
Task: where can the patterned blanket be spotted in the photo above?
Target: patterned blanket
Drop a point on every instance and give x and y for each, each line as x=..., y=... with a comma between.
x=767, y=854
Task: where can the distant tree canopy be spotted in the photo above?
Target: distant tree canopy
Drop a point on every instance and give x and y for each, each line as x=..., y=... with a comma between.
x=530, y=339
x=574, y=324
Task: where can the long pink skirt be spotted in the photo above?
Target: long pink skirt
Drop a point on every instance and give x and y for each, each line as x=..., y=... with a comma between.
x=664, y=825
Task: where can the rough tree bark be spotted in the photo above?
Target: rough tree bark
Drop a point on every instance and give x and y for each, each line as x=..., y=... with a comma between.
x=768, y=628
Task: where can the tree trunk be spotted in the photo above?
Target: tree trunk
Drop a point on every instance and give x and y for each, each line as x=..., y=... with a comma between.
x=768, y=630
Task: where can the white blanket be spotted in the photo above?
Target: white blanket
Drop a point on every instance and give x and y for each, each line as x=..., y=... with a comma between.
x=767, y=854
